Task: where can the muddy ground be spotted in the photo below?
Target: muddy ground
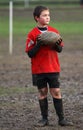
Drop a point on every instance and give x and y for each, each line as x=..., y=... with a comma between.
x=20, y=110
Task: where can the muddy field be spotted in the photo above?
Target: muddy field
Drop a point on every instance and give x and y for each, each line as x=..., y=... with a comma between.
x=20, y=110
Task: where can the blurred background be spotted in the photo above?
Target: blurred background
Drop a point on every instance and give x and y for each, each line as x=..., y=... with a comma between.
x=66, y=15
x=17, y=93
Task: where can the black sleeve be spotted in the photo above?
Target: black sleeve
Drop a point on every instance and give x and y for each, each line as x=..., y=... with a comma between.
x=34, y=50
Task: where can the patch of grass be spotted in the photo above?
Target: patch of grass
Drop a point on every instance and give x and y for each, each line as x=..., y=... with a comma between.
x=4, y=28
x=23, y=27
x=69, y=27
x=16, y=90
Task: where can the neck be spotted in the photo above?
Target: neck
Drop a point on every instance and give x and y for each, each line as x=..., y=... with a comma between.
x=41, y=26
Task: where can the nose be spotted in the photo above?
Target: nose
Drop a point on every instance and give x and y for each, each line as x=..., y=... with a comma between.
x=48, y=18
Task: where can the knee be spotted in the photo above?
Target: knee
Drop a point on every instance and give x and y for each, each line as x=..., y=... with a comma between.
x=43, y=93
x=56, y=93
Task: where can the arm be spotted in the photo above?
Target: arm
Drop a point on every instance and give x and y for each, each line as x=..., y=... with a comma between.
x=31, y=53
x=58, y=46
x=31, y=47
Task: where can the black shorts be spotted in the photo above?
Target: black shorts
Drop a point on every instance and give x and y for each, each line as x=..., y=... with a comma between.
x=45, y=79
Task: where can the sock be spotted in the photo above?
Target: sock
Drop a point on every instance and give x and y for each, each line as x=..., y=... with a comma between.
x=59, y=108
x=44, y=107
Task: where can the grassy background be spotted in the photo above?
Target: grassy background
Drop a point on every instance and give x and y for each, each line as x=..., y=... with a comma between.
x=22, y=27
x=68, y=21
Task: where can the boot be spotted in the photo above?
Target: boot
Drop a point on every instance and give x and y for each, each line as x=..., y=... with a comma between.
x=44, y=112
x=59, y=111
x=65, y=122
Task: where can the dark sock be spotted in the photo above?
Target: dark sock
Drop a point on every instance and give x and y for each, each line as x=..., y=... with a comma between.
x=44, y=108
x=59, y=108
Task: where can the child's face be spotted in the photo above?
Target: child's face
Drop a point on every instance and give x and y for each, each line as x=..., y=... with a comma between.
x=44, y=18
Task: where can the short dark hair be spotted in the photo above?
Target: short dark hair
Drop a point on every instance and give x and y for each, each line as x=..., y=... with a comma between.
x=38, y=9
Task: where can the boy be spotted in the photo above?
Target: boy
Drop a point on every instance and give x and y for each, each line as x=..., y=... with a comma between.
x=45, y=66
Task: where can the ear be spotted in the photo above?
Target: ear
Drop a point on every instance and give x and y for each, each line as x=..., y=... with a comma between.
x=36, y=18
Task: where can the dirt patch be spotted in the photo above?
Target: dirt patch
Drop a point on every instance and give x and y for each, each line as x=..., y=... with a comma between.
x=21, y=111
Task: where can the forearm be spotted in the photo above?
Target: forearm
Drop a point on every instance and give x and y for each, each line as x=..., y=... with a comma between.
x=33, y=51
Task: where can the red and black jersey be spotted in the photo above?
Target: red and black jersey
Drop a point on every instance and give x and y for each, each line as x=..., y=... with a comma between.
x=46, y=60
